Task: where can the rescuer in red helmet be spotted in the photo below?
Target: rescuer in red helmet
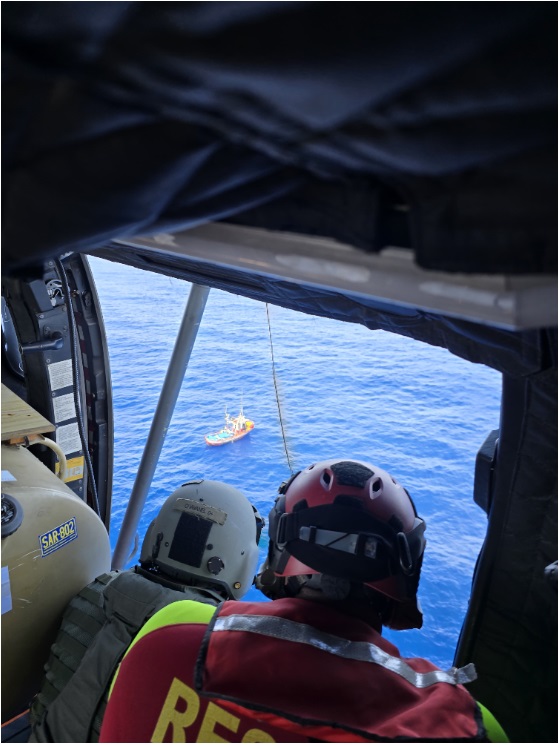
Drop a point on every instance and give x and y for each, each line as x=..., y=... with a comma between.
x=347, y=532
x=344, y=559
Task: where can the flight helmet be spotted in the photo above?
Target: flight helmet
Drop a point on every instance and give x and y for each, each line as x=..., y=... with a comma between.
x=354, y=525
x=206, y=533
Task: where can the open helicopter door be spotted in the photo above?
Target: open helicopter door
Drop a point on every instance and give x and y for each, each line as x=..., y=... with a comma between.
x=56, y=463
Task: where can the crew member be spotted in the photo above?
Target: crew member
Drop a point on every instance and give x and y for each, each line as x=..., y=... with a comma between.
x=203, y=545
x=344, y=559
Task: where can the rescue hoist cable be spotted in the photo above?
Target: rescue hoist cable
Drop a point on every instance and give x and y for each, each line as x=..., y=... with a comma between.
x=77, y=384
x=277, y=391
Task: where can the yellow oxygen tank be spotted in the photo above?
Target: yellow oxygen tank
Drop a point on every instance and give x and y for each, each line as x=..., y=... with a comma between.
x=53, y=545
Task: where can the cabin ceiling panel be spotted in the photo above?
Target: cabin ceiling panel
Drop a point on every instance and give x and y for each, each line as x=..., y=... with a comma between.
x=514, y=352
x=390, y=277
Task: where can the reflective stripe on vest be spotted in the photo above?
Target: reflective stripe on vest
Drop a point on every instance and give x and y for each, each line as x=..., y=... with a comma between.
x=316, y=666
x=282, y=628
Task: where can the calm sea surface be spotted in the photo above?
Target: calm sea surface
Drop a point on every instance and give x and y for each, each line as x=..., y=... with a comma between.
x=415, y=410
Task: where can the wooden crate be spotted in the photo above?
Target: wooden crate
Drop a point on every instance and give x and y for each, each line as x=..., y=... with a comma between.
x=19, y=419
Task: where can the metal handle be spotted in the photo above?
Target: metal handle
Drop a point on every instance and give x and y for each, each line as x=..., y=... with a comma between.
x=56, y=341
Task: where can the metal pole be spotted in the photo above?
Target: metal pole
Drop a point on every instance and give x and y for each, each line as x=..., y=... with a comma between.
x=169, y=393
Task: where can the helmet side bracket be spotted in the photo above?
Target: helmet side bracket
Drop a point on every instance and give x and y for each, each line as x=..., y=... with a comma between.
x=344, y=542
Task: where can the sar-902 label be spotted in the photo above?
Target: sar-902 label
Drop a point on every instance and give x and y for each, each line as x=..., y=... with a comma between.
x=58, y=537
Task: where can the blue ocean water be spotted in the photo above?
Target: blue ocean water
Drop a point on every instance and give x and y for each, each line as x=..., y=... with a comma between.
x=415, y=410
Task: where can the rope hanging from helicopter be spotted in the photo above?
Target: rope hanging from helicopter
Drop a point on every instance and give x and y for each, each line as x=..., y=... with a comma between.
x=274, y=377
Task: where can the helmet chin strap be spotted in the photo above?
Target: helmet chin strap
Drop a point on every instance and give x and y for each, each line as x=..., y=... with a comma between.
x=332, y=588
x=339, y=593
x=275, y=587
x=362, y=602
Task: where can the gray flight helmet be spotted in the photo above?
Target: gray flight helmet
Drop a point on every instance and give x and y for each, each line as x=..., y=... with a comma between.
x=206, y=533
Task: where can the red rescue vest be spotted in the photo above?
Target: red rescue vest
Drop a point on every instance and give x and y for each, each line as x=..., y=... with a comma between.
x=316, y=666
x=153, y=698
x=285, y=671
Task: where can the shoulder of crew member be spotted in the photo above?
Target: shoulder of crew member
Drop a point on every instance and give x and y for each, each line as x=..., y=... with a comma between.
x=179, y=612
x=495, y=733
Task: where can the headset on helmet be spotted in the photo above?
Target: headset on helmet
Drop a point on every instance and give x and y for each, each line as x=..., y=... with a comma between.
x=206, y=532
x=351, y=523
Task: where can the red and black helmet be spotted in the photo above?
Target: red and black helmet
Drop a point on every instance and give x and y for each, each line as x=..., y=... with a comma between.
x=351, y=520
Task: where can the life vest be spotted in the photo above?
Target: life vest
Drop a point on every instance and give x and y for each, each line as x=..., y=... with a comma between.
x=96, y=629
x=286, y=671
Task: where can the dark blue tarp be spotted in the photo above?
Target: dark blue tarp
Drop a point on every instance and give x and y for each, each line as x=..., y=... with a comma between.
x=131, y=118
